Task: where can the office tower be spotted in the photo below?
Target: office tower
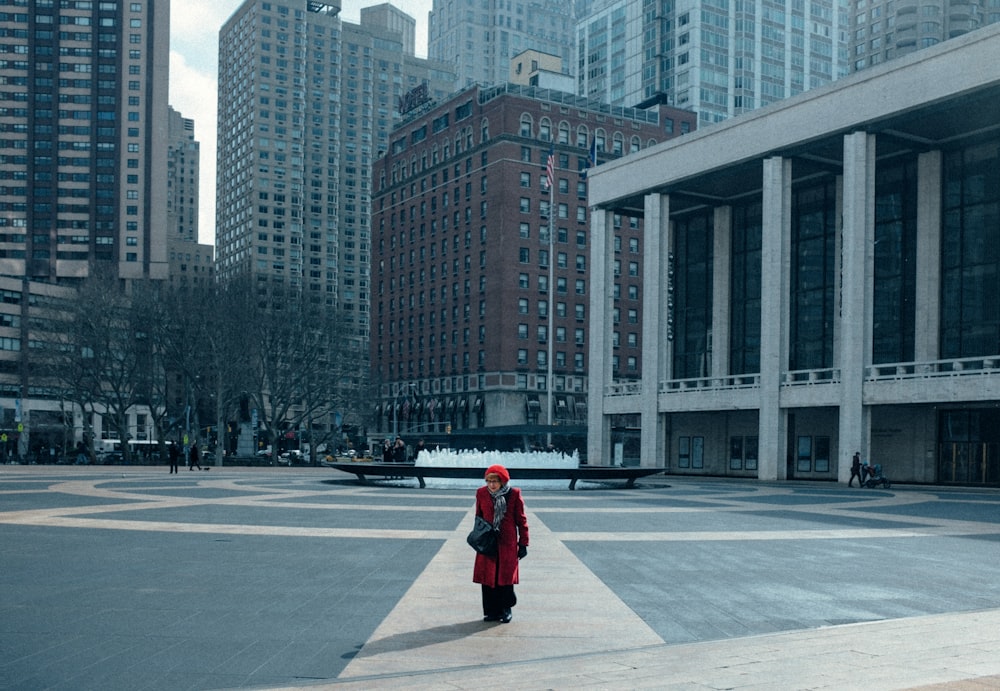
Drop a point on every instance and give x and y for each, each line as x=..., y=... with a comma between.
x=183, y=164
x=472, y=252
x=306, y=102
x=83, y=185
x=190, y=263
x=83, y=109
x=884, y=29
x=478, y=43
x=394, y=20
x=716, y=59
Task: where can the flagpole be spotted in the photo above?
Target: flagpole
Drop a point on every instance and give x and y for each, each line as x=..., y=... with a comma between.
x=552, y=288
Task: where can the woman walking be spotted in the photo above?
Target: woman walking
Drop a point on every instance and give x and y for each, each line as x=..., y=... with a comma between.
x=501, y=505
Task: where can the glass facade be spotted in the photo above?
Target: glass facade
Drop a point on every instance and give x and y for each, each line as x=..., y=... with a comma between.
x=744, y=315
x=692, y=310
x=970, y=252
x=894, y=320
x=814, y=275
x=969, y=450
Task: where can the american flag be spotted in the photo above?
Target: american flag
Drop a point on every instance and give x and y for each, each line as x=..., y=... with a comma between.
x=550, y=167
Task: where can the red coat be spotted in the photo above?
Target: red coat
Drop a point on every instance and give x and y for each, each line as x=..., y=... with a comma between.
x=513, y=532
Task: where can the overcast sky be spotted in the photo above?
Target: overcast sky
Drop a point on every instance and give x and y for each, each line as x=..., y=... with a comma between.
x=194, y=58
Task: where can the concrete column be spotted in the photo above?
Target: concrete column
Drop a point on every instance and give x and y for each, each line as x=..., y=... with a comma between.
x=774, y=313
x=721, y=281
x=655, y=339
x=602, y=255
x=928, y=294
x=854, y=344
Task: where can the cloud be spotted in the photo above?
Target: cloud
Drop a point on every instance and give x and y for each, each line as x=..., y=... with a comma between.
x=194, y=29
x=193, y=93
x=194, y=56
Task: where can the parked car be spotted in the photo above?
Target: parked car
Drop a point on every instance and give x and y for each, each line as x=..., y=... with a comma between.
x=110, y=458
x=293, y=457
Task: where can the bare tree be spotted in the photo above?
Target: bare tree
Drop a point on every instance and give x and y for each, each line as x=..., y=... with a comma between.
x=288, y=367
x=205, y=355
x=104, y=358
x=340, y=373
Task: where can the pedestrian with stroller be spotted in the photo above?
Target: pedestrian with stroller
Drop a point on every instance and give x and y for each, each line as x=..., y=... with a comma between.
x=856, y=470
x=867, y=471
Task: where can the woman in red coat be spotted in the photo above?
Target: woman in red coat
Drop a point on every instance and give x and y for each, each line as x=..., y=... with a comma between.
x=502, y=505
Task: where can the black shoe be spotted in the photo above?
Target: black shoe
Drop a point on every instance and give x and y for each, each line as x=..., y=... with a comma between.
x=491, y=617
x=506, y=617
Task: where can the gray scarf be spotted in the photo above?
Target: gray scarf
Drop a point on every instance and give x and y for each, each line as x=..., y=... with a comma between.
x=499, y=505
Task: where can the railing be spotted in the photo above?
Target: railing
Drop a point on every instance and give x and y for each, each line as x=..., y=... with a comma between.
x=702, y=384
x=962, y=367
x=810, y=376
x=623, y=388
x=730, y=382
x=886, y=372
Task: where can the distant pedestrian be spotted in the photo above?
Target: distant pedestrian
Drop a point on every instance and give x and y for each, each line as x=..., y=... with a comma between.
x=193, y=457
x=855, y=469
x=399, y=451
x=386, y=451
x=174, y=454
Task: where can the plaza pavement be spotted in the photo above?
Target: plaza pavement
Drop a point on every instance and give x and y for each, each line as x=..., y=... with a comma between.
x=116, y=578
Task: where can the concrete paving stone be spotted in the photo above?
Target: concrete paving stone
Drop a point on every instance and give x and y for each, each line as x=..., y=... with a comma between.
x=261, y=594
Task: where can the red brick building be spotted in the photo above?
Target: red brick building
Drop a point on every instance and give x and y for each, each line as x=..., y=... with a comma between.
x=465, y=274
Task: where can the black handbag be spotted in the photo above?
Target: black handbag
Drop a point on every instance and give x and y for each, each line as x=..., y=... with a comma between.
x=483, y=537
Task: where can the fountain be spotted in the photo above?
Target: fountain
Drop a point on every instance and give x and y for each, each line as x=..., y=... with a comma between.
x=455, y=469
x=512, y=460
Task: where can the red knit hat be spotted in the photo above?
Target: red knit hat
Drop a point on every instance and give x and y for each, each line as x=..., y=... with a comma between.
x=500, y=472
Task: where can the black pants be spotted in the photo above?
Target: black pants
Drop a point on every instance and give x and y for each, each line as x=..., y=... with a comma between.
x=496, y=600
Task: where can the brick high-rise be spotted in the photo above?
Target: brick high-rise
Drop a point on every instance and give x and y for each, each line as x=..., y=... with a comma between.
x=461, y=261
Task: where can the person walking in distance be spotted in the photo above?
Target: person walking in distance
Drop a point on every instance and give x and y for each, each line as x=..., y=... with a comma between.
x=502, y=505
x=174, y=454
x=855, y=469
x=193, y=457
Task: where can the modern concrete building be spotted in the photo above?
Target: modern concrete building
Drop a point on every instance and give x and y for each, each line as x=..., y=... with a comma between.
x=884, y=29
x=821, y=277
x=306, y=103
x=481, y=272
x=83, y=154
x=718, y=59
x=478, y=41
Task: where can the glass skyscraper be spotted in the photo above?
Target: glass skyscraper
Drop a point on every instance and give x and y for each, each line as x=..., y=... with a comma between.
x=719, y=59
